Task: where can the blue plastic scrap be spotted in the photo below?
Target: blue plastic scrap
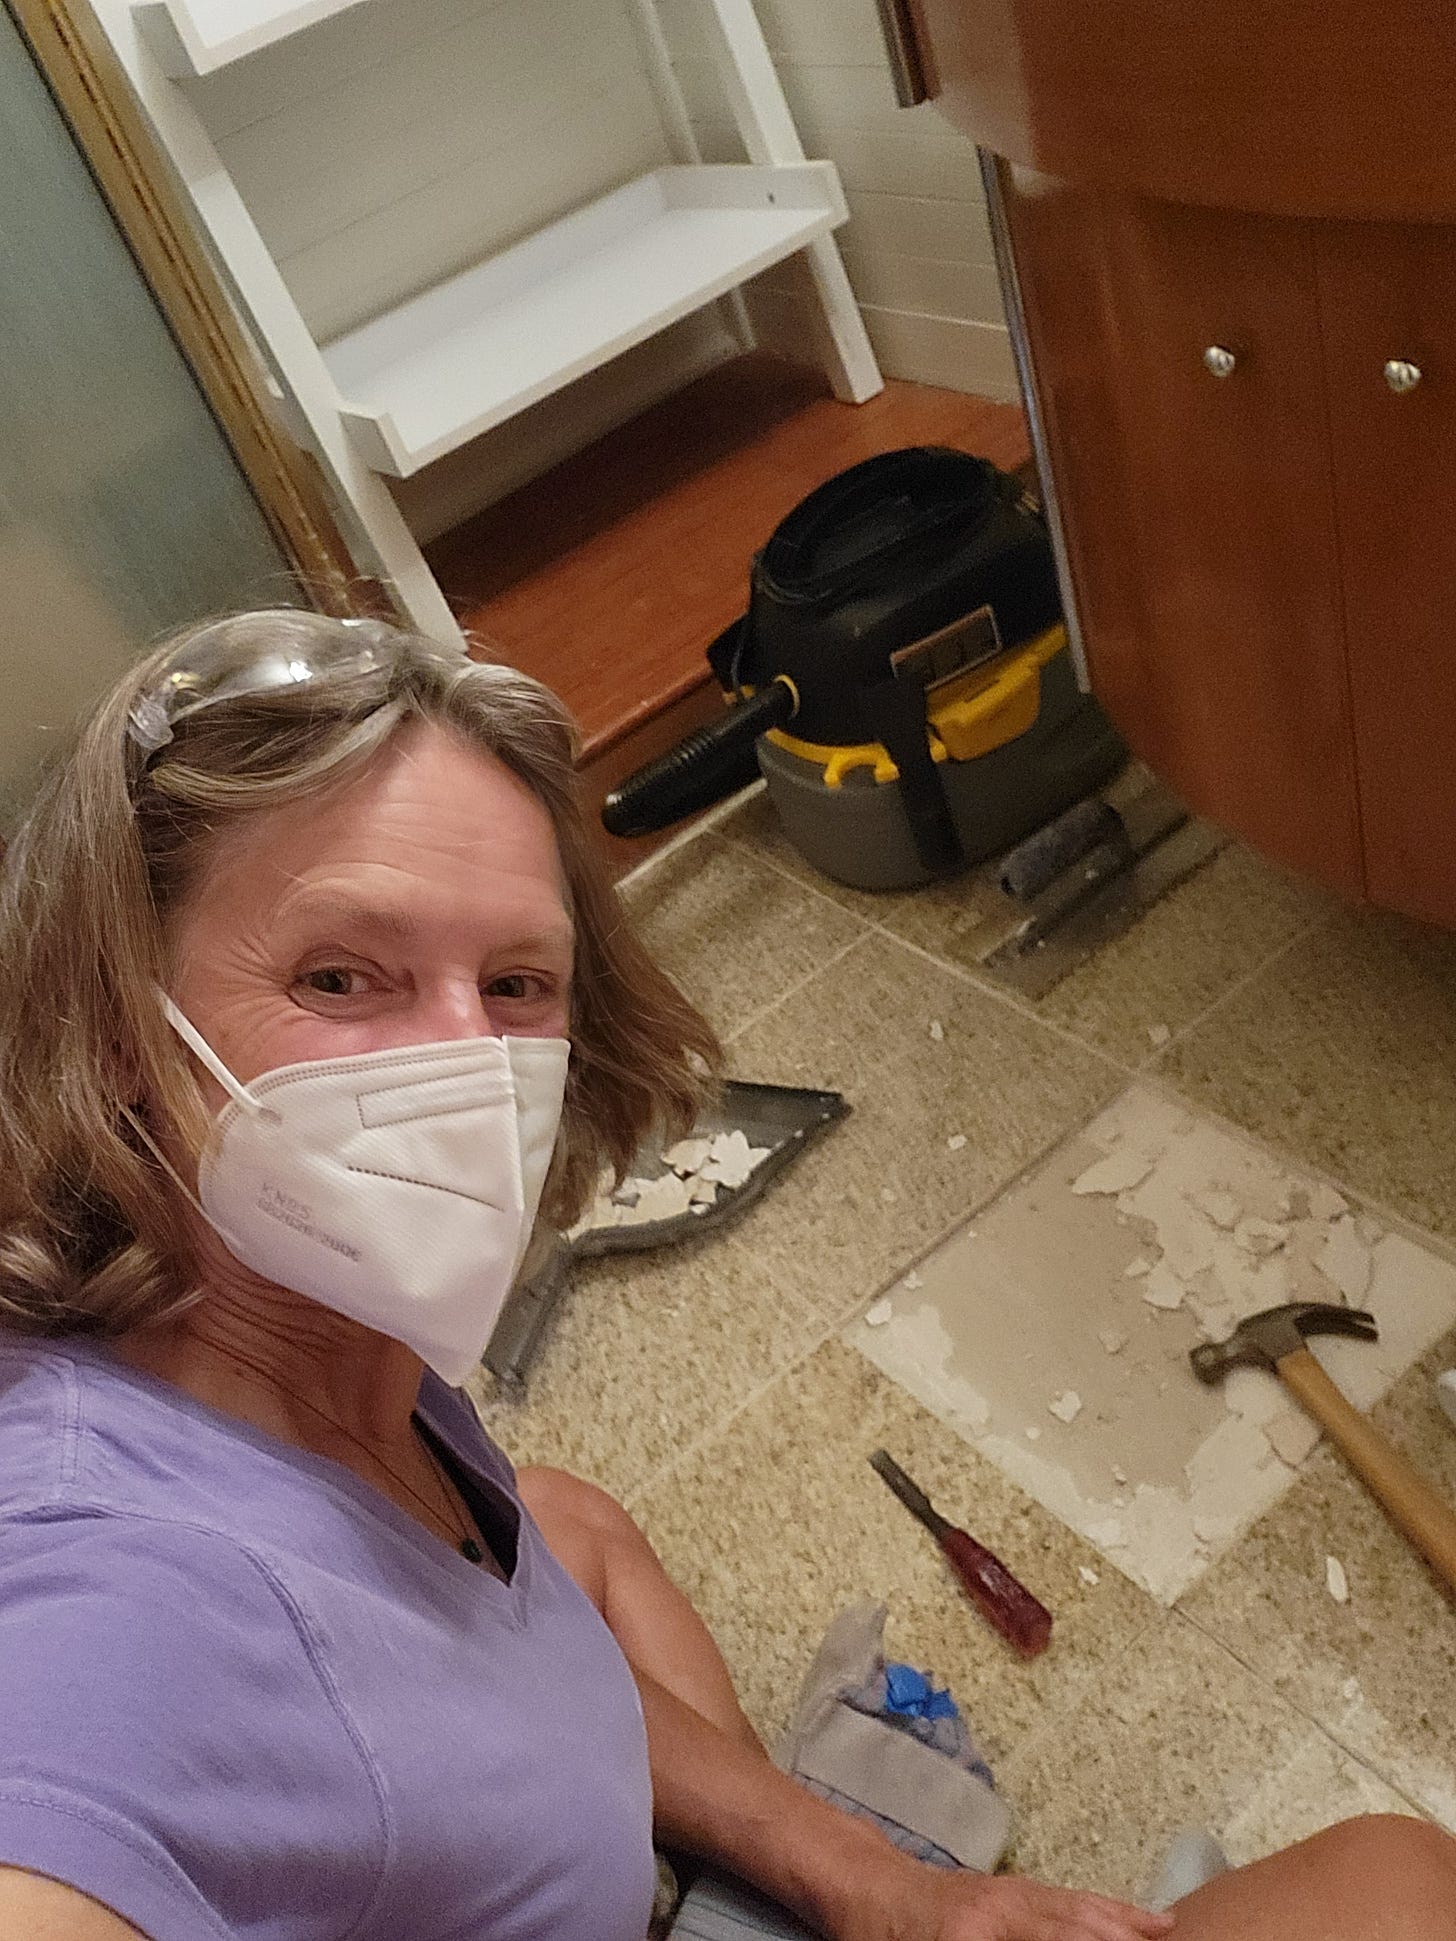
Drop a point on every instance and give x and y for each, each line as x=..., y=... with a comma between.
x=909, y=1694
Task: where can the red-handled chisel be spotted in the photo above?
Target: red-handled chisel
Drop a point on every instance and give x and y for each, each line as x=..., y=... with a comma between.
x=1006, y=1604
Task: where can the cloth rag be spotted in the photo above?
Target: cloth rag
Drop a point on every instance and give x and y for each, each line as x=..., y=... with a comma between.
x=880, y=1741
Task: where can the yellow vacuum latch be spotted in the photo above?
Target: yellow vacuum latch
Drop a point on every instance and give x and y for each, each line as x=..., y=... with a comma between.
x=966, y=718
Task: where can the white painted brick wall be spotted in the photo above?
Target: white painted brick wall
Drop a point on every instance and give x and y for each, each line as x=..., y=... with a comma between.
x=917, y=246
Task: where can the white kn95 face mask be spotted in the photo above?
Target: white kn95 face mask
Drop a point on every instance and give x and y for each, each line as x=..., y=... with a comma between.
x=398, y=1187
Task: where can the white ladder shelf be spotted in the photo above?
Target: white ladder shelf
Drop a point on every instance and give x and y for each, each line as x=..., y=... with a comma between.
x=459, y=359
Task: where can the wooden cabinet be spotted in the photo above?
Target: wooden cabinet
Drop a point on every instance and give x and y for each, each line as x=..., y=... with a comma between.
x=1225, y=234
x=1389, y=292
x=1199, y=510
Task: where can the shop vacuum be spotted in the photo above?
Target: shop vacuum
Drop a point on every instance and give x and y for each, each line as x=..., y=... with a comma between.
x=901, y=679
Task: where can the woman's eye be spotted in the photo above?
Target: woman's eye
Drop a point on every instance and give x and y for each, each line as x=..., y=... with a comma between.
x=517, y=988
x=333, y=980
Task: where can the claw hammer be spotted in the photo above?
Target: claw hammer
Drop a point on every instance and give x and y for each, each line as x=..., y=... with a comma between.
x=1275, y=1340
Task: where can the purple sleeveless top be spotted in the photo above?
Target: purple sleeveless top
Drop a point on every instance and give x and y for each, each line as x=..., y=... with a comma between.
x=243, y=1695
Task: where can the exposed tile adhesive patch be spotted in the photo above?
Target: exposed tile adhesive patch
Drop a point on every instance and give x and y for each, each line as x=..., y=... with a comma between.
x=1055, y=1336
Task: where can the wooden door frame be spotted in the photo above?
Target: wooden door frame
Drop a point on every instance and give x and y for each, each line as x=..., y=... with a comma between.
x=94, y=95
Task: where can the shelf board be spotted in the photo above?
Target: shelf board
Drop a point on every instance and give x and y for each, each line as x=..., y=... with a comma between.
x=192, y=38
x=470, y=353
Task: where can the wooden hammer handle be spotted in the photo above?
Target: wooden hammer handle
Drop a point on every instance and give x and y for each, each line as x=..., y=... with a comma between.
x=1413, y=1505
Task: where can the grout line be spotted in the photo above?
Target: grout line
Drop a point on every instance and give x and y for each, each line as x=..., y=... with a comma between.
x=1267, y=1683
x=791, y=990
x=667, y=1470
x=705, y=824
x=978, y=1210
x=1009, y=1000
x=1237, y=987
x=841, y=1317
x=1028, y=1009
x=1399, y=1223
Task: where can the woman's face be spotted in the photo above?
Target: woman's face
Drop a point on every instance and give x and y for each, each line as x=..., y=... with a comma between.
x=421, y=903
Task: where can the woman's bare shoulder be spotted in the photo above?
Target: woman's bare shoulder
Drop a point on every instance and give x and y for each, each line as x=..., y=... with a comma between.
x=33, y=1908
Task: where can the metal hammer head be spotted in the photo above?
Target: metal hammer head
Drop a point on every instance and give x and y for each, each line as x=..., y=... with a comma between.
x=1264, y=1339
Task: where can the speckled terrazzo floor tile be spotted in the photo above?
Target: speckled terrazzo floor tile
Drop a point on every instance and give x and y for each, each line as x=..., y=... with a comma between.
x=732, y=932
x=1176, y=1734
x=1379, y=1672
x=887, y=1183
x=1182, y=957
x=647, y=1352
x=1343, y=1050
x=779, y=1522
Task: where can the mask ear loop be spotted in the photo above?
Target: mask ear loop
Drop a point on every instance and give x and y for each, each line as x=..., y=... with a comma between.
x=162, y=1160
x=198, y=1045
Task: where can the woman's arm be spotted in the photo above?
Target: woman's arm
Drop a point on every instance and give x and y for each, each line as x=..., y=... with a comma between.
x=716, y=1796
x=33, y=1908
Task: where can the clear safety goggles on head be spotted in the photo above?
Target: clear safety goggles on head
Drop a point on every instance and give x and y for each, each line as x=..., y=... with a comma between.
x=209, y=672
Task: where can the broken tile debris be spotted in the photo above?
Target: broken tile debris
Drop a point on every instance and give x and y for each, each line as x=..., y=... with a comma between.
x=1119, y=1172
x=1345, y=1260
x=878, y=1313
x=696, y=1169
x=956, y=1142
x=1292, y=1435
x=1336, y=1581
x=1151, y=1208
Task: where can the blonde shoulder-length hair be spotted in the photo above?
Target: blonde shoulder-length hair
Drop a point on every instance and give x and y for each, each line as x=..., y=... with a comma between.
x=92, y=1081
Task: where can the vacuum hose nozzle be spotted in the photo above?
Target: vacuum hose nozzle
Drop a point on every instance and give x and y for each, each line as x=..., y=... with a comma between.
x=713, y=763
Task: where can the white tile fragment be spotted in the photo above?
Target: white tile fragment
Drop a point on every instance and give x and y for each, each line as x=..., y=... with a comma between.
x=1142, y=1265
x=731, y=1159
x=1113, y=1340
x=1163, y=1289
x=1160, y=1035
x=1336, y=1582
x=1119, y=1172
x=1261, y=1238
x=662, y=1199
x=1067, y=1406
x=1119, y=1475
x=1326, y=1204
x=703, y=1194
x=956, y=1142
x=937, y=1031
x=1346, y=1260
x=912, y=1283
x=1088, y=1575
x=879, y=1313
x=1292, y=1435
x=688, y=1155
x=1221, y=1207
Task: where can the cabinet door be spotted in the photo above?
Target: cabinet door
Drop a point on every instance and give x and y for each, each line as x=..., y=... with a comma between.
x=1389, y=292
x=1199, y=509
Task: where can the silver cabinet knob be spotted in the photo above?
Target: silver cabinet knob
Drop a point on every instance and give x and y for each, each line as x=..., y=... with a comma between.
x=1401, y=376
x=1218, y=360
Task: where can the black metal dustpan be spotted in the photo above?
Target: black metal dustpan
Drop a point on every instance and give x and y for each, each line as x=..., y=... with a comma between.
x=775, y=1122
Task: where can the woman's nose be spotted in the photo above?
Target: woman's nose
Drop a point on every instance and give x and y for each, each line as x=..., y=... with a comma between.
x=454, y=1011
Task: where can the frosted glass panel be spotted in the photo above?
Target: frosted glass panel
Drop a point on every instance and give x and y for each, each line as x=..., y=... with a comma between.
x=122, y=510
